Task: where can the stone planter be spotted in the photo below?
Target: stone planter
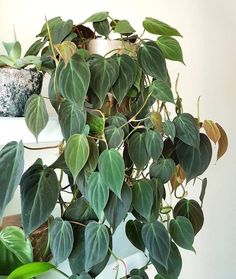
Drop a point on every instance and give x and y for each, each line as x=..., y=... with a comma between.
x=16, y=86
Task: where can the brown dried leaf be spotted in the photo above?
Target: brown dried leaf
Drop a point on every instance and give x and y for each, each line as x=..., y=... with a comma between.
x=212, y=130
x=156, y=120
x=177, y=178
x=222, y=143
x=66, y=50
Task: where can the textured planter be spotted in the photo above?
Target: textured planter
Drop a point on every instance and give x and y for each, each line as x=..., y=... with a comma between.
x=16, y=86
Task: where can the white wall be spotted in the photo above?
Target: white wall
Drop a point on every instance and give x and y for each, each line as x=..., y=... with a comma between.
x=209, y=45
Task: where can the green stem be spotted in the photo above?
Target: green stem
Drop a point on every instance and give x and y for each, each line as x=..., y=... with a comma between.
x=119, y=259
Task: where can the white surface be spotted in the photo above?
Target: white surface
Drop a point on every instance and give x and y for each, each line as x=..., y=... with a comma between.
x=209, y=47
x=15, y=129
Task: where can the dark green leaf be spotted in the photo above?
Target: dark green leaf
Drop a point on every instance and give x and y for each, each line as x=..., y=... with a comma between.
x=60, y=31
x=123, y=27
x=154, y=144
x=92, y=161
x=119, y=120
x=76, y=153
x=102, y=27
x=36, y=115
x=174, y=264
x=61, y=240
x=15, y=249
x=11, y=169
x=191, y=210
x=143, y=197
x=152, y=60
x=203, y=191
x=35, y=48
x=112, y=169
x=194, y=161
x=117, y=209
x=157, y=242
x=133, y=231
x=38, y=184
x=126, y=78
x=73, y=80
x=169, y=129
x=114, y=136
x=96, y=244
x=187, y=130
x=54, y=97
x=158, y=27
x=72, y=119
x=181, y=231
x=161, y=91
x=158, y=192
x=97, y=193
x=138, y=272
x=31, y=270
x=51, y=22
x=137, y=142
x=163, y=169
x=171, y=48
x=97, y=17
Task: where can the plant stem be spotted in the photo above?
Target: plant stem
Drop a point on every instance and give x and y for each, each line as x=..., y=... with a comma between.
x=119, y=259
x=77, y=223
x=42, y=148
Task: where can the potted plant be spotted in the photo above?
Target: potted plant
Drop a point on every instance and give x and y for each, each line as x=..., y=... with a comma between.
x=124, y=156
x=17, y=82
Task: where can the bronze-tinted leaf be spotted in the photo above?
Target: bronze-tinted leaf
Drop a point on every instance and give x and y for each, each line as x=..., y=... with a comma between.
x=212, y=130
x=222, y=143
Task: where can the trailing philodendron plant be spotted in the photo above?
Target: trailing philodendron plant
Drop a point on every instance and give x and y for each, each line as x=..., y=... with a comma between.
x=125, y=157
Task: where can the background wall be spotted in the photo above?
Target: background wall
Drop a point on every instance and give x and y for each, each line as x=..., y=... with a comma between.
x=209, y=47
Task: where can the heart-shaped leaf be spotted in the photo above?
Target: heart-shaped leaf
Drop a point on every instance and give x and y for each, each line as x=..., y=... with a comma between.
x=212, y=130
x=92, y=161
x=36, y=115
x=222, y=143
x=114, y=136
x=161, y=91
x=154, y=144
x=163, y=169
x=10, y=172
x=102, y=27
x=133, y=231
x=169, y=129
x=97, y=17
x=123, y=27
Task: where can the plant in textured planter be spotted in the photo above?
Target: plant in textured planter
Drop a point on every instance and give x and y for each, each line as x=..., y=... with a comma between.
x=125, y=157
x=16, y=82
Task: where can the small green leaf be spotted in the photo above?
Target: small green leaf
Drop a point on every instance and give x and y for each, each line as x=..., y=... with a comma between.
x=163, y=169
x=97, y=17
x=123, y=27
x=203, y=191
x=96, y=244
x=169, y=129
x=181, y=231
x=15, y=249
x=112, y=169
x=30, y=270
x=13, y=50
x=5, y=60
x=143, y=197
x=61, y=240
x=154, y=144
x=35, y=48
x=187, y=130
x=36, y=115
x=158, y=27
x=102, y=27
x=76, y=153
x=138, y=272
x=171, y=48
x=191, y=210
x=161, y=91
x=157, y=242
x=119, y=120
x=114, y=136
x=97, y=192
x=133, y=231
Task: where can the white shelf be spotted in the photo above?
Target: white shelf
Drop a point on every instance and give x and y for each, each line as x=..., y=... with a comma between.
x=15, y=129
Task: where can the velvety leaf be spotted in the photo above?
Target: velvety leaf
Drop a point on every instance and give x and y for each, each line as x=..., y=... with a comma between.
x=139, y=272
x=191, y=210
x=51, y=22
x=15, y=249
x=114, y=136
x=182, y=233
x=104, y=73
x=102, y=27
x=137, y=142
x=171, y=48
x=35, y=48
x=194, y=162
x=126, y=78
x=61, y=240
x=97, y=17
x=154, y=144
x=117, y=209
x=212, y=130
x=60, y=30
x=187, y=130
x=174, y=264
x=163, y=169
x=80, y=211
x=123, y=27
x=152, y=61
x=92, y=161
x=161, y=91
x=96, y=244
x=222, y=143
x=203, y=190
x=158, y=192
x=73, y=80
x=11, y=169
x=97, y=193
x=76, y=153
x=143, y=197
x=72, y=119
x=169, y=129
x=36, y=115
x=38, y=184
x=119, y=120
x=133, y=231
x=53, y=94
x=156, y=120
x=112, y=169
x=157, y=242
x=31, y=270
x=158, y=27
x=66, y=50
